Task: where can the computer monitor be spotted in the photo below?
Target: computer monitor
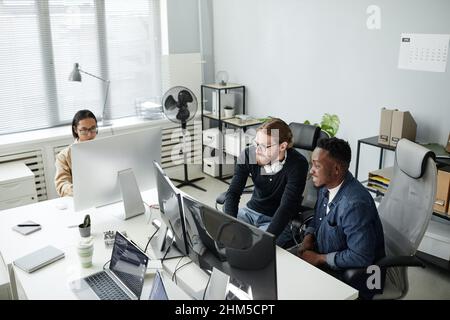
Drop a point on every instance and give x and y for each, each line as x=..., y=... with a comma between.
x=98, y=164
x=244, y=252
x=169, y=199
x=197, y=238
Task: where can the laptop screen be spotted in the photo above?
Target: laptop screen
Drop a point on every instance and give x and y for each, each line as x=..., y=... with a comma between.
x=158, y=290
x=129, y=264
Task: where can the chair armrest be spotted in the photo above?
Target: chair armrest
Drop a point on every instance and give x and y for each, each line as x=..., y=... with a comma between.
x=400, y=261
x=221, y=198
x=351, y=275
x=303, y=216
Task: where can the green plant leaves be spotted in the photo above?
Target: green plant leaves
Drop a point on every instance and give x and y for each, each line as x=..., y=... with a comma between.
x=330, y=124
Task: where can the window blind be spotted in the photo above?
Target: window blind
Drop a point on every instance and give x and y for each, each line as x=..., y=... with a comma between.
x=41, y=40
x=23, y=98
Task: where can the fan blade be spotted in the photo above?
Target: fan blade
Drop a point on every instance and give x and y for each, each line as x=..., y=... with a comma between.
x=183, y=114
x=170, y=103
x=184, y=97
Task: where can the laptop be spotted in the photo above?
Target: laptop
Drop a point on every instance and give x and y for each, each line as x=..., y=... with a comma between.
x=159, y=291
x=122, y=280
x=164, y=289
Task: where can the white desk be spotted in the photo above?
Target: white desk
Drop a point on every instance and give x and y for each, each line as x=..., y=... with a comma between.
x=296, y=279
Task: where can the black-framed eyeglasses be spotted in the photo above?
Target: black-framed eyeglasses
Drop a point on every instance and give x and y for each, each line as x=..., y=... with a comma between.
x=85, y=132
x=263, y=147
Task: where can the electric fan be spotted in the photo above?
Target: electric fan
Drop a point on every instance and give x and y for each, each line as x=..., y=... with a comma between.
x=180, y=105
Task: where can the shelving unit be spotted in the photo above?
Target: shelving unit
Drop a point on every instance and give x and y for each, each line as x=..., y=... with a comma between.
x=213, y=117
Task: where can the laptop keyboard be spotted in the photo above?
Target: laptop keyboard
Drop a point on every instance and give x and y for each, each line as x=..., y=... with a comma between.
x=131, y=281
x=105, y=288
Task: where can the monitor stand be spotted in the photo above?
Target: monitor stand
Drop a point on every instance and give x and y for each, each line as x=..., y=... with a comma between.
x=163, y=242
x=132, y=200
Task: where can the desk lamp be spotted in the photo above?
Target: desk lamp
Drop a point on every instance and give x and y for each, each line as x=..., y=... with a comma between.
x=75, y=75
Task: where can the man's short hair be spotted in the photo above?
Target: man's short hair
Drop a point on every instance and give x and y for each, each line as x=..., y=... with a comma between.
x=284, y=132
x=338, y=149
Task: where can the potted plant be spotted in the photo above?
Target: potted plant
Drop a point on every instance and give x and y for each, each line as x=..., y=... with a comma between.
x=330, y=124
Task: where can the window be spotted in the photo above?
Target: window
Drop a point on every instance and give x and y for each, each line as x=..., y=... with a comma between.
x=41, y=40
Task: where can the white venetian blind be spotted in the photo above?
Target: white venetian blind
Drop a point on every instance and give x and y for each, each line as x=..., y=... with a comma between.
x=23, y=99
x=41, y=40
x=74, y=39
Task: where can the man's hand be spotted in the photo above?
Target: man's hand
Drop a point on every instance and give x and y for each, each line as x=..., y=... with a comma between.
x=307, y=244
x=313, y=258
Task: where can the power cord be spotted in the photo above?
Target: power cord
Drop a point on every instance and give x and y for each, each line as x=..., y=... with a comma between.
x=176, y=266
x=150, y=239
x=206, y=288
x=168, y=249
x=104, y=266
x=174, y=273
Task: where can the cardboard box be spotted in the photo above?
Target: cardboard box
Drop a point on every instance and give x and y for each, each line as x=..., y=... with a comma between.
x=211, y=138
x=403, y=126
x=448, y=144
x=384, y=136
x=236, y=142
x=211, y=166
x=442, y=190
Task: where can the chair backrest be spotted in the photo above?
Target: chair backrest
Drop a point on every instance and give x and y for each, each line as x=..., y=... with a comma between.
x=305, y=137
x=407, y=206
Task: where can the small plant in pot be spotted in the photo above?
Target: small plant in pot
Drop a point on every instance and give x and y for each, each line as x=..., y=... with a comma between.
x=330, y=124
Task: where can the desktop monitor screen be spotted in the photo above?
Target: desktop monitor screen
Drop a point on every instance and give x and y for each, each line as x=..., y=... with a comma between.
x=244, y=252
x=197, y=238
x=96, y=163
x=169, y=199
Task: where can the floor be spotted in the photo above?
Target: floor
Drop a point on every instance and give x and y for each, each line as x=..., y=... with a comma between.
x=431, y=283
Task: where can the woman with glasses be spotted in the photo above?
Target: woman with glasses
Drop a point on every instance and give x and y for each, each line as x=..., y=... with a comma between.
x=279, y=174
x=84, y=128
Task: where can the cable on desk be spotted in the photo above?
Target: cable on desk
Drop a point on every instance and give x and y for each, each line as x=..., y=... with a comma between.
x=106, y=264
x=150, y=239
x=167, y=250
x=206, y=288
x=174, y=273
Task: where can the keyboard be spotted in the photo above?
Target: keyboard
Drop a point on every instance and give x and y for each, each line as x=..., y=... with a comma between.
x=131, y=281
x=105, y=288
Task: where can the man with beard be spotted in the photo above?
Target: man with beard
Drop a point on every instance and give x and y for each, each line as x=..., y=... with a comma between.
x=278, y=173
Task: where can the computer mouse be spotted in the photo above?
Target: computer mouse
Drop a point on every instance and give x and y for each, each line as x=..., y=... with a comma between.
x=61, y=206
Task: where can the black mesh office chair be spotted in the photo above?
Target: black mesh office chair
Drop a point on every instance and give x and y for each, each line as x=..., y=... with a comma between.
x=305, y=139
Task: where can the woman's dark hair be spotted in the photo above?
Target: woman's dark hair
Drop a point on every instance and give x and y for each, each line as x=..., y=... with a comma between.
x=81, y=115
x=338, y=149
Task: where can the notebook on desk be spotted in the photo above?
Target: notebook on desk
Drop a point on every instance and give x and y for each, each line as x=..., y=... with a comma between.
x=122, y=280
x=38, y=259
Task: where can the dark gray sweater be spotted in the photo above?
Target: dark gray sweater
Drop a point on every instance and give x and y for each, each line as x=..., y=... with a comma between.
x=278, y=196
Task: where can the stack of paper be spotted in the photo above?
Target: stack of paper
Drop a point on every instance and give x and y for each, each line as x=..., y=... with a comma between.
x=379, y=179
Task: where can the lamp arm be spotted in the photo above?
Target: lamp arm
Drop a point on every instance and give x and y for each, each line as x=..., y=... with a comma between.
x=106, y=99
x=90, y=74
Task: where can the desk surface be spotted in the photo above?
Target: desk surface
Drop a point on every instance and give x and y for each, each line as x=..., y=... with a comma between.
x=296, y=278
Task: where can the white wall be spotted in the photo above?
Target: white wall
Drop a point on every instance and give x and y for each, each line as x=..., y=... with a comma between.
x=302, y=58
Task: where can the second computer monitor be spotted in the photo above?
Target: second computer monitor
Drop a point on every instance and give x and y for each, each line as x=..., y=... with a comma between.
x=169, y=199
x=96, y=165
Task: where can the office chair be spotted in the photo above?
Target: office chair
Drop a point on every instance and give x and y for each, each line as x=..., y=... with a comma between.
x=405, y=212
x=305, y=139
